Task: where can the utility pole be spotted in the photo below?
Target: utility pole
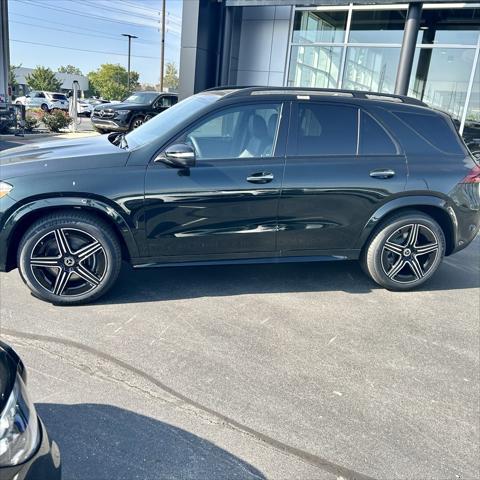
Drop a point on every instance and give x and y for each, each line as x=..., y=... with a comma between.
x=162, y=46
x=129, y=48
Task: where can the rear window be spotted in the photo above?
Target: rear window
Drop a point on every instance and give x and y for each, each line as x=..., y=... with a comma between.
x=435, y=129
x=326, y=129
x=374, y=140
x=58, y=96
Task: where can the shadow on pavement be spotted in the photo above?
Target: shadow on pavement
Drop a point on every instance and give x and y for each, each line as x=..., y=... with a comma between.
x=103, y=442
x=173, y=283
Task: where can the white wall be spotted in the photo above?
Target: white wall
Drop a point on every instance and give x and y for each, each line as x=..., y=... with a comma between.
x=263, y=45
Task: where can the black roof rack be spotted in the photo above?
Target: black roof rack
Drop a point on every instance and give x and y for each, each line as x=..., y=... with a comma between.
x=266, y=90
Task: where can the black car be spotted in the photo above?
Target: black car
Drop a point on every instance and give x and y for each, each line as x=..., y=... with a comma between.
x=26, y=453
x=243, y=175
x=132, y=112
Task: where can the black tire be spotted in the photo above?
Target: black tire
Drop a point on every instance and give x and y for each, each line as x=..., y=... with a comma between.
x=136, y=122
x=80, y=272
x=100, y=130
x=405, y=251
x=44, y=107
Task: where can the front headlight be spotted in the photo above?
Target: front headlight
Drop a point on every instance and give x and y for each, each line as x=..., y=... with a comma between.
x=19, y=432
x=122, y=112
x=5, y=188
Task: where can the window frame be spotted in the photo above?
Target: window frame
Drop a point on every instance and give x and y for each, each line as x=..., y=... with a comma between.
x=292, y=140
x=279, y=139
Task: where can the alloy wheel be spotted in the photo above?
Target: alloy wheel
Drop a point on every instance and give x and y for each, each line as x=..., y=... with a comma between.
x=409, y=253
x=137, y=123
x=68, y=262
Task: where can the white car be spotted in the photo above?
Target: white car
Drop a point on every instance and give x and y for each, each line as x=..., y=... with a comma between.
x=45, y=100
x=84, y=108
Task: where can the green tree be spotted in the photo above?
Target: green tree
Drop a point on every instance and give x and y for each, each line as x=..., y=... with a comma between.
x=71, y=69
x=42, y=78
x=170, y=79
x=12, y=81
x=110, y=81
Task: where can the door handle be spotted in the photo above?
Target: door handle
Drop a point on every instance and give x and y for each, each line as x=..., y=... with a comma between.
x=382, y=173
x=260, y=177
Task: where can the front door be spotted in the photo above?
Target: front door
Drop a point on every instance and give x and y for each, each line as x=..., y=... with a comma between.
x=341, y=166
x=226, y=205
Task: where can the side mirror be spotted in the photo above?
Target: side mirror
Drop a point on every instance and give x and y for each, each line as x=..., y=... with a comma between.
x=179, y=155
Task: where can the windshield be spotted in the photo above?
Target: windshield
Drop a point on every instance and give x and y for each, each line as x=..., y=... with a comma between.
x=168, y=120
x=141, y=97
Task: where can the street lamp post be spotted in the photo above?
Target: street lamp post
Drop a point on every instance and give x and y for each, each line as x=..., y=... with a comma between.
x=129, y=48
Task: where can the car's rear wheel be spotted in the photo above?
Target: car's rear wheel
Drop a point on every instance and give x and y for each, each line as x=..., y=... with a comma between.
x=69, y=258
x=405, y=251
x=136, y=122
x=44, y=107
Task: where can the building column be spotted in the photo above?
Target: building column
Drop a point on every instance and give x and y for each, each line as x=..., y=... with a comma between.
x=200, y=47
x=410, y=33
x=4, y=52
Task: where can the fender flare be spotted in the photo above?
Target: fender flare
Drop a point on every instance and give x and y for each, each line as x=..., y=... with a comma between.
x=404, y=202
x=87, y=204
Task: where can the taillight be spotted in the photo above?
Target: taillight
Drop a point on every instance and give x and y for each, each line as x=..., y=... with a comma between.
x=473, y=176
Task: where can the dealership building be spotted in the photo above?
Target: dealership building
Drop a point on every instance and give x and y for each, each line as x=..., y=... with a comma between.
x=426, y=50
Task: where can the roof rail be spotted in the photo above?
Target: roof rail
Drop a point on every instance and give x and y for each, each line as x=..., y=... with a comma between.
x=259, y=90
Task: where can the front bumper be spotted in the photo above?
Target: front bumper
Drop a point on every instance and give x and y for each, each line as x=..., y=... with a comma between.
x=114, y=125
x=44, y=465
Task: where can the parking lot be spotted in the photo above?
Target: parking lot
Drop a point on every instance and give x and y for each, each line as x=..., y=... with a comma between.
x=304, y=371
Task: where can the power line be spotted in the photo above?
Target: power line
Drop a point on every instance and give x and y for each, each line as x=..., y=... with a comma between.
x=117, y=10
x=80, y=49
x=110, y=37
x=97, y=17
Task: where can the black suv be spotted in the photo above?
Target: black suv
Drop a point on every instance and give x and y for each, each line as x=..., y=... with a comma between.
x=132, y=112
x=243, y=175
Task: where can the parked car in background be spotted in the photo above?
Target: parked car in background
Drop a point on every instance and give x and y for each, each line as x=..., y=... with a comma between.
x=243, y=175
x=131, y=112
x=45, y=100
x=26, y=452
x=84, y=108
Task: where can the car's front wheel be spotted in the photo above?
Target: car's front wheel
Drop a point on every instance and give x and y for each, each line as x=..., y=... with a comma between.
x=69, y=258
x=405, y=251
x=136, y=122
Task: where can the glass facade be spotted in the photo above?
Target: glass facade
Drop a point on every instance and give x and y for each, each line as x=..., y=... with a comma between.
x=358, y=48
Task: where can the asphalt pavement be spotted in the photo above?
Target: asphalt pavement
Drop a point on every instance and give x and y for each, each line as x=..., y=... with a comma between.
x=302, y=372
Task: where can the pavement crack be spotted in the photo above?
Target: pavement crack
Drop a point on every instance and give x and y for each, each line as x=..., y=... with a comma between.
x=186, y=403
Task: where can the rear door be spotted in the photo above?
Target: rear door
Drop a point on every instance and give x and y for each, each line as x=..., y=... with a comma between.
x=341, y=165
x=226, y=205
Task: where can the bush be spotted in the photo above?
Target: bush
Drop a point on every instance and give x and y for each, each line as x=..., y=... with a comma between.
x=32, y=119
x=56, y=120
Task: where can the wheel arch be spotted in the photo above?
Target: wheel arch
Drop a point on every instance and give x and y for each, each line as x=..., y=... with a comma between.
x=19, y=222
x=435, y=207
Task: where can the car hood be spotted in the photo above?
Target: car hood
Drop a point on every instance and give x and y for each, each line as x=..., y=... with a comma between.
x=60, y=155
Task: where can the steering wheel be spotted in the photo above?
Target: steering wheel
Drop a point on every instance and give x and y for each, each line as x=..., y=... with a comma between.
x=196, y=147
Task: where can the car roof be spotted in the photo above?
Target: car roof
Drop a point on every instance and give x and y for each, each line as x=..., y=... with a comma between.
x=308, y=93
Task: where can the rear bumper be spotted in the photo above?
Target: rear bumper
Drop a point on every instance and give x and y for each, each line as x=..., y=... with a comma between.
x=44, y=465
x=466, y=199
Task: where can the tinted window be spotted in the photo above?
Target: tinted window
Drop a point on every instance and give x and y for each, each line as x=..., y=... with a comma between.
x=434, y=129
x=327, y=129
x=167, y=101
x=236, y=132
x=58, y=96
x=374, y=140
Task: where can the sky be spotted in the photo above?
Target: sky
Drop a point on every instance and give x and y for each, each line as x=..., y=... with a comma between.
x=89, y=33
